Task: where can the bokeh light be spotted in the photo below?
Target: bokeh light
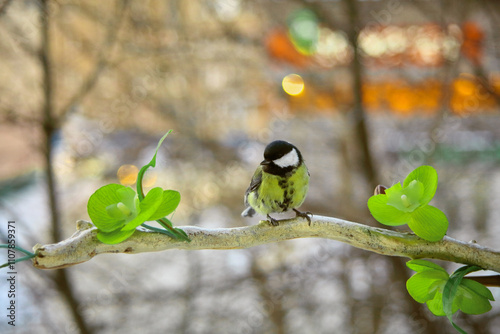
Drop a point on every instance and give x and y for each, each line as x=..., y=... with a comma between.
x=280, y=47
x=127, y=174
x=304, y=30
x=425, y=45
x=333, y=48
x=293, y=84
x=464, y=86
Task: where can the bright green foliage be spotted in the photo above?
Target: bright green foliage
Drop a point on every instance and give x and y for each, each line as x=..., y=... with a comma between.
x=405, y=199
x=408, y=204
x=117, y=210
x=104, y=209
x=445, y=294
x=427, y=175
x=304, y=31
x=175, y=233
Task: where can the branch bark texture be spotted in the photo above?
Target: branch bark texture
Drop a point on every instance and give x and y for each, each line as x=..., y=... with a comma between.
x=83, y=245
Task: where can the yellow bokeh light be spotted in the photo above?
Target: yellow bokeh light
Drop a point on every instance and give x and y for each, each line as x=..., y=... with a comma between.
x=127, y=174
x=464, y=86
x=293, y=84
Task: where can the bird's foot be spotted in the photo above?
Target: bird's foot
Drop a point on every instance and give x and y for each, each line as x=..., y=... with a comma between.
x=273, y=221
x=307, y=215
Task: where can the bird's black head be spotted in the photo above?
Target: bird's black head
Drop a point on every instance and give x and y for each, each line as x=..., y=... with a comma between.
x=281, y=157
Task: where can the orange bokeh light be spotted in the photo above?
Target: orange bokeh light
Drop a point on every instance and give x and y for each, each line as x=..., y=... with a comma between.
x=127, y=174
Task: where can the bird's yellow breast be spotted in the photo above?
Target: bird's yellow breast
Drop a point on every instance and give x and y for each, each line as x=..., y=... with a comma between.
x=279, y=194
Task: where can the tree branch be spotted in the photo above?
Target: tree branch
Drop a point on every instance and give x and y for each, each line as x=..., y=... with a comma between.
x=83, y=245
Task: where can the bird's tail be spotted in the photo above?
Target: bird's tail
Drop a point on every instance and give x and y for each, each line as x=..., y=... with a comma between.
x=248, y=212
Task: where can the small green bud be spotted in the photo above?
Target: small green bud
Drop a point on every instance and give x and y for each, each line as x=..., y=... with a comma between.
x=115, y=211
x=123, y=208
x=405, y=201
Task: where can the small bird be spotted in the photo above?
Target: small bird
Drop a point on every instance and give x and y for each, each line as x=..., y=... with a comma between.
x=279, y=184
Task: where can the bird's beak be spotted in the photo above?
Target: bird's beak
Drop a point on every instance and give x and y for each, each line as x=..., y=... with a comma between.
x=265, y=162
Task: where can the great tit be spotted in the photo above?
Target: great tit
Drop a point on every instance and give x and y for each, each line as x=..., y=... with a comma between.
x=279, y=184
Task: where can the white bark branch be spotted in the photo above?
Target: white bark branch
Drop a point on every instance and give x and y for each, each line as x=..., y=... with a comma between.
x=83, y=245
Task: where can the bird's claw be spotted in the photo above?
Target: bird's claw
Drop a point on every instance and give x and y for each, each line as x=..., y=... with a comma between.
x=273, y=221
x=307, y=215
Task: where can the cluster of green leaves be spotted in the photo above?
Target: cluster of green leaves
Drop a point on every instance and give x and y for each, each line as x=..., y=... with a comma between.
x=445, y=294
x=408, y=204
x=117, y=210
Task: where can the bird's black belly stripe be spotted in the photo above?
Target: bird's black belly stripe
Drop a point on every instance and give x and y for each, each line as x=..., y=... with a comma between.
x=287, y=194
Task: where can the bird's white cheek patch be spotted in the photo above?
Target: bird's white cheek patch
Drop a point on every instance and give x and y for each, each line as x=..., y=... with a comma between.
x=289, y=159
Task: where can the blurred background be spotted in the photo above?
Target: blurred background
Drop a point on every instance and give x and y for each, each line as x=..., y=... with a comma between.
x=368, y=91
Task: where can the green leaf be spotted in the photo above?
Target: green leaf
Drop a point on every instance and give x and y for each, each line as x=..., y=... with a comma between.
x=114, y=237
x=445, y=295
x=435, y=305
x=419, y=265
x=147, y=207
x=171, y=198
x=169, y=203
x=427, y=283
x=424, y=285
x=175, y=233
x=427, y=175
x=387, y=214
x=478, y=288
x=179, y=233
x=144, y=168
x=450, y=305
x=429, y=223
x=432, y=275
x=160, y=230
x=183, y=234
x=100, y=200
x=164, y=221
x=473, y=297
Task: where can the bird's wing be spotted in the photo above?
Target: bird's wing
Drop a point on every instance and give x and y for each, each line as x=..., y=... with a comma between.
x=255, y=183
x=256, y=180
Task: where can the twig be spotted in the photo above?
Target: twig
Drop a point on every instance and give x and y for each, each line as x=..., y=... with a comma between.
x=102, y=60
x=83, y=245
x=49, y=128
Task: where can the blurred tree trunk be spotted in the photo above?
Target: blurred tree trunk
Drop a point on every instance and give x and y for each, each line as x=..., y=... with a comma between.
x=50, y=127
x=399, y=273
x=366, y=160
x=276, y=313
x=3, y=6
